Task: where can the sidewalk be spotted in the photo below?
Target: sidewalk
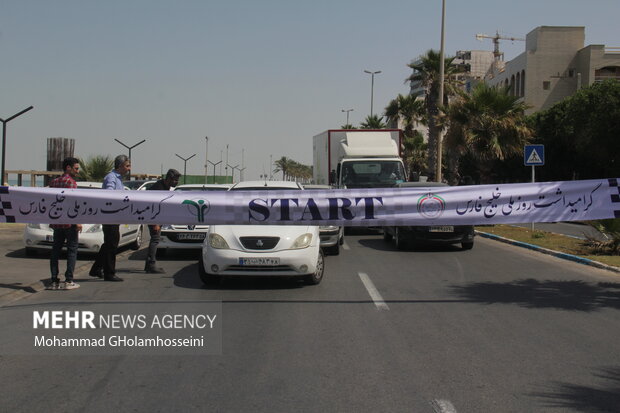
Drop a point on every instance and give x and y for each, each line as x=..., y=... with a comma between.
x=21, y=276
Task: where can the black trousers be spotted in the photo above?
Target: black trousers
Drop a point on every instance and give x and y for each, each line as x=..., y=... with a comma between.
x=106, y=258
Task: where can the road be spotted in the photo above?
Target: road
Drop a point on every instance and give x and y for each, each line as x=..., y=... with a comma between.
x=494, y=329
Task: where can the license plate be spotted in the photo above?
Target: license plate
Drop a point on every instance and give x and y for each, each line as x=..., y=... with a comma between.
x=445, y=228
x=195, y=236
x=259, y=261
x=49, y=238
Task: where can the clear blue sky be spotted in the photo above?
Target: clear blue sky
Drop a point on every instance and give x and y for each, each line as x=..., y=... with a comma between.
x=261, y=76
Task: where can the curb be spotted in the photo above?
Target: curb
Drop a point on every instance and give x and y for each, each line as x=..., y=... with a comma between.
x=37, y=286
x=558, y=254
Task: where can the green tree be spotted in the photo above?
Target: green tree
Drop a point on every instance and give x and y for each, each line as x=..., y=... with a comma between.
x=283, y=165
x=487, y=125
x=580, y=134
x=409, y=111
x=373, y=122
x=95, y=168
x=426, y=70
x=347, y=126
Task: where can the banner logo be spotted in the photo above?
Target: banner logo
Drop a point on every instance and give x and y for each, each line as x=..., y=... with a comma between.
x=431, y=206
x=197, y=207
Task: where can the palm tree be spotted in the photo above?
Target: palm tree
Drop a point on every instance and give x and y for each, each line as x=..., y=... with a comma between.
x=487, y=125
x=373, y=122
x=426, y=70
x=347, y=126
x=283, y=165
x=409, y=111
x=95, y=168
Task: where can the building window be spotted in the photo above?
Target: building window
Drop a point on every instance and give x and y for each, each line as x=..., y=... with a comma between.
x=571, y=72
x=546, y=85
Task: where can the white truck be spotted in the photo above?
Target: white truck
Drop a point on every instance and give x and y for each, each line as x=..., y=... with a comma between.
x=359, y=158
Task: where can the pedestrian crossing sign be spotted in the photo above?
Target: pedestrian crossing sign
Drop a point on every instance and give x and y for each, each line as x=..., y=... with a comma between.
x=534, y=155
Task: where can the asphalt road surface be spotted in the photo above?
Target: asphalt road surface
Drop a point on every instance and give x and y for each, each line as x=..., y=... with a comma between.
x=494, y=329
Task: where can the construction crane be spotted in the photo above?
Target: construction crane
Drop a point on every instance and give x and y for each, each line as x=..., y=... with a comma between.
x=498, y=55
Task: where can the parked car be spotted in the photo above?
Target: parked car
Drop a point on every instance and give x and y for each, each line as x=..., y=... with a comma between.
x=186, y=236
x=139, y=184
x=332, y=236
x=404, y=236
x=255, y=250
x=41, y=236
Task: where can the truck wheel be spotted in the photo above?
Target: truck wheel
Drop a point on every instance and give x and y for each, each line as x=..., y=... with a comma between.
x=401, y=244
x=317, y=277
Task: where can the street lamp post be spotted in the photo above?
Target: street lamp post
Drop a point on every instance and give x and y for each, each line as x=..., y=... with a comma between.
x=214, y=164
x=348, y=110
x=130, y=148
x=372, y=86
x=206, y=158
x=4, y=122
x=232, y=171
x=185, y=165
x=441, y=86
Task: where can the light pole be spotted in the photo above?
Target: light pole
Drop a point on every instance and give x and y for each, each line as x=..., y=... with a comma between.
x=4, y=122
x=348, y=110
x=372, y=86
x=214, y=164
x=206, y=158
x=232, y=171
x=130, y=148
x=270, y=167
x=226, y=167
x=185, y=165
x=441, y=82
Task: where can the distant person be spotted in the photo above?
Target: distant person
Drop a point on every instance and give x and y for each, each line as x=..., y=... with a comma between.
x=105, y=263
x=65, y=232
x=170, y=181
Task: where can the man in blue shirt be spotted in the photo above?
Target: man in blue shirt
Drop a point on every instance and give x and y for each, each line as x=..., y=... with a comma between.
x=105, y=263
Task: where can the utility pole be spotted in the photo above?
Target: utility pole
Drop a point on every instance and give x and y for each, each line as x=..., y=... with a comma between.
x=441, y=86
x=206, y=158
x=185, y=165
x=4, y=122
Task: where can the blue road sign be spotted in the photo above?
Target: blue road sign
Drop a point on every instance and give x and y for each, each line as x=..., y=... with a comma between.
x=534, y=155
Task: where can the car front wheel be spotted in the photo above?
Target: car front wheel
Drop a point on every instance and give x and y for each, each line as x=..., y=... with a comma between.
x=138, y=241
x=314, y=279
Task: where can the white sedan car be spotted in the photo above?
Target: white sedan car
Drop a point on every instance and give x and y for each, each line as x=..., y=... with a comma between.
x=41, y=236
x=186, y=236
x=274, y=250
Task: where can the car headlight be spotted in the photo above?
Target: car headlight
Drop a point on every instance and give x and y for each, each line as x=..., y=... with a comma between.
x=302, y=241
x=95, y=228
x=34, y=226
x=218, y=242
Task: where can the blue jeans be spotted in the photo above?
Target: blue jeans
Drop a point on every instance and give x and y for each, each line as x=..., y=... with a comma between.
x=70, y=235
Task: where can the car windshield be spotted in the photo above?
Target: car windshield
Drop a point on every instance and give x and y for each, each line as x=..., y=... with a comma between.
x=372, y=174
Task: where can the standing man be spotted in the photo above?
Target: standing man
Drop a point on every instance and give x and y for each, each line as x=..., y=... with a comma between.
x=105, y=263
x=170, y=181
x=65, y=232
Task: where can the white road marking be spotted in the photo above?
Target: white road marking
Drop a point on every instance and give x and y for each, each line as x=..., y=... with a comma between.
x=372, y=291
x=346, y=246
x=443, y=406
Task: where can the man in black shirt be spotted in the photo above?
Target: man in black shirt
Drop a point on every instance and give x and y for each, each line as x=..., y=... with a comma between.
x=170, y=181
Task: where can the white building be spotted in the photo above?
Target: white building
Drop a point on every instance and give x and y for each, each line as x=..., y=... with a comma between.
x=555, y=65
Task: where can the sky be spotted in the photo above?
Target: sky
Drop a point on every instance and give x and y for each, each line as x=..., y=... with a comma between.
x=258, y=78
